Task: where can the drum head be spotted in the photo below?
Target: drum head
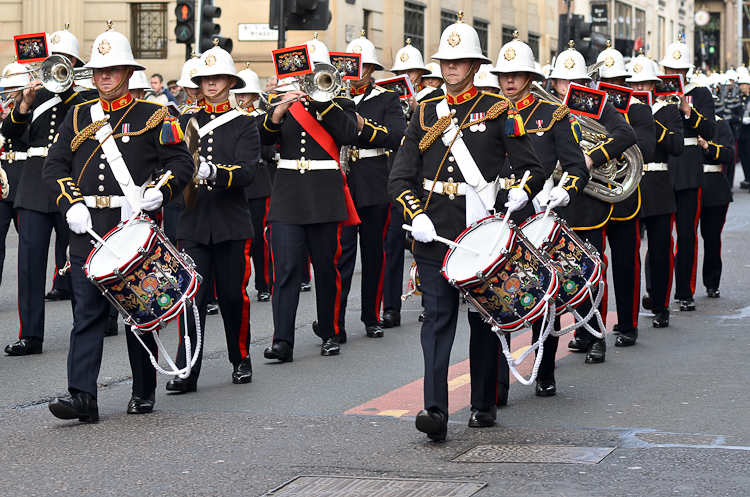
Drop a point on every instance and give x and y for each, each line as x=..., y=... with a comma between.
x=534, y=225
x=461, y=265
x=126, y=241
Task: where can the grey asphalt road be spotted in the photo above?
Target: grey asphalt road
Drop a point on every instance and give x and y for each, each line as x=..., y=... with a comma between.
x=671, y=410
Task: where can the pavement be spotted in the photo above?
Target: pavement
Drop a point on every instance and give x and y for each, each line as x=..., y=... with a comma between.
x=667, y=416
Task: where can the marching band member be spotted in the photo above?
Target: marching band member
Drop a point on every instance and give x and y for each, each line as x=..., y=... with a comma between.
x=550, y=127
x=218, y=231
x=485, y=81
x=138, y=85
x=741, y=119
x=41, y=112
x=81, y=176
x=697, y=107
x=657, y=193
x=432, y=77
x=428, y=182
x=381, y=124
x=623, y=230
x=309, y=203
x=259, y=191
x=588, y=216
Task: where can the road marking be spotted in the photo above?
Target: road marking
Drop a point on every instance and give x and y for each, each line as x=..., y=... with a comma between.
x=462, y=380
x=395, y=414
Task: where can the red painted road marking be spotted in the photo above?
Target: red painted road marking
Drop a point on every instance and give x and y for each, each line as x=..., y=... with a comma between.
x=408, y=399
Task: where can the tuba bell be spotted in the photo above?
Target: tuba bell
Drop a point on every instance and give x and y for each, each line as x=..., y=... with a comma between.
x=613, y=181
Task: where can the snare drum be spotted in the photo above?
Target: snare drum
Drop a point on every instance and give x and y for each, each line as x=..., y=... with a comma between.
x=151, y=282
x=508, y=285
x=577, y=262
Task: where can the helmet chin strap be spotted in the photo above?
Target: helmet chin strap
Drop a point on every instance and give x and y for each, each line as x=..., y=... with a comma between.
x=515, y=96
x=124, y=78
x=463, y=80
x=219, y=100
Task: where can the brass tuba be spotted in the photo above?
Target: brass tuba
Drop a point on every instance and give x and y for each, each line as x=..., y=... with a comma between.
x=611, y=182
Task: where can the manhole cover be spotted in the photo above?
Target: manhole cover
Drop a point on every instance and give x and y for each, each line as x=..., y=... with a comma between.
x=534, y=454
x=346, y=486
x=676, y=439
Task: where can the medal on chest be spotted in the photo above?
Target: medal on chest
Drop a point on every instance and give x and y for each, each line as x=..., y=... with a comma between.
x=126, y=129
x=539, y=124
x=480, y=127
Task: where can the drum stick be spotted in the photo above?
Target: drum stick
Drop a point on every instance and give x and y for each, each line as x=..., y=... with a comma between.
x=101, y=240
x=506, y=218
x=546, y=211
x=162, y=181
x=450, y=243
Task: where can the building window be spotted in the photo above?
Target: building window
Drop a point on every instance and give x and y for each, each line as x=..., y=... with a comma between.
x=507, y=34
x=447, y=17
x=483, y=30
x=366, y=20
x=414, y=24
x=623, y=23
x=660, y=38
x=148, y=35
x=534, y=45
x=640, y=24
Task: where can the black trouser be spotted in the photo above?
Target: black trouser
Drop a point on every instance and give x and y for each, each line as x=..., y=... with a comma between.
x=597, y=237
x=87, y=340
x=34, y=230
x=371, y=231
x=686, y=253
x=171, y=215
x=625, y=245
x=729, y=169
x=7, y=214
x=289, y=242
x=438, y=332
x=61, y=283
x=259, y=247
x=393, y=277
x=546, y=372
x=659, y=259
x=712, y=224
x=743, y=153
x=227, y=264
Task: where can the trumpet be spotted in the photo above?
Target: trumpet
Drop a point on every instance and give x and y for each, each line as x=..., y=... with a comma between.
x=322, y=85
x=56, y=74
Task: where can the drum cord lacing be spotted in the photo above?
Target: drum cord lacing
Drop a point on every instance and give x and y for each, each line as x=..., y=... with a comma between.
x=580, y=321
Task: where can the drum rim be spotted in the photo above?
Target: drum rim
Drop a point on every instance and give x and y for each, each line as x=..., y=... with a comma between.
x=106, y=277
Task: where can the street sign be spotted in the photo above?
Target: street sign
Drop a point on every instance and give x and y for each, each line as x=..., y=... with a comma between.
x=599, y=13
x=256, y=32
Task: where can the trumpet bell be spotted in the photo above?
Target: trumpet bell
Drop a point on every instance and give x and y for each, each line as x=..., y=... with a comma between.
x=323, y=84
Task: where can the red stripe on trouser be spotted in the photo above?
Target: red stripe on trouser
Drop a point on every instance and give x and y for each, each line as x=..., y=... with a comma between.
x=266, y=272
x=379, y=296
x=671, y=260
x=270, y=251
x=637, y=273
x=694, y=270
x=245, y=323
x=337, y=305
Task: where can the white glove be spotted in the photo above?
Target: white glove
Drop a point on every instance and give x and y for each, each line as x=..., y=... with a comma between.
x=78, y=218
x=422, y=229
x=558, y=197
x=746, y=120
x=207, y=170
x=517, y=199
x=152, y=199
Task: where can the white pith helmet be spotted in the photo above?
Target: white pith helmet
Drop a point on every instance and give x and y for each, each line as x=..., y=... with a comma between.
x=677, y=56
x=217, y=62
x=251, y=79
x=742, y=71
x=139, y=81
x=516, y=56
x=642, y=70
x=614, y=64
x=365, y=47
x=318, y=51
x=189, y=69
x=460, y=41
x=65, y=42
x=730, y=74
x=570, y=65
x=434, y=71
x=408, y=57
x=112, y=49
x=17, y=81
x=744, y=79
x=485, y=78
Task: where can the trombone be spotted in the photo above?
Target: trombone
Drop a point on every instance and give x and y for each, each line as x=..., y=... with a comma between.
x=322, y=85
x=56, y=74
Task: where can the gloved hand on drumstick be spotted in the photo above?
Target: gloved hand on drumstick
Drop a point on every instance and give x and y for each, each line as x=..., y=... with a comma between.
x=152, y=199
x=558, y=197
x=206, y=170
x=422, y=229
x=746, y=120
x=517, y=199
x=78, y=218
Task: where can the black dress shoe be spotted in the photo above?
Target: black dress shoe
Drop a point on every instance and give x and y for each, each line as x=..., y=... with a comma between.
x=138, y=405
x=646, y=302
x=687, y=304
x=545, y=389
x=374, y=331
x=342, y=331
x=111, y=329
x=243, y=371
x=597, y=349
x=330, y=346
x=616, y=328
x=433, y=423
x=55, y=295
x=25, y=346
x=627, y=338
x=305, y=287
x=189, y=384
x=212, y=307
x=713, y=293
x=484, y=418
x=502, y=395
x=421, y=317
x=80, y=405
x=661, y=319
x=745, y=185
x=391, y=318
x=280, y=350
x=264, y=296
x=577, y=345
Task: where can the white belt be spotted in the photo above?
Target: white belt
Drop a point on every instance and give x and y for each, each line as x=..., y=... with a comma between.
x=37, y=152
x=11, y=156
x=655, y=166
x=367, y=152
x=304, y=165
x=445, y=187
x=104, y=201
x=712, y=168
x=691, y=141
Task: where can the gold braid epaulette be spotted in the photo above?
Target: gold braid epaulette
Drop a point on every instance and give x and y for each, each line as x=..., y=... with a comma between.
x=560, y=113
x=90, y=130
x=86, y=133
x=434, y=132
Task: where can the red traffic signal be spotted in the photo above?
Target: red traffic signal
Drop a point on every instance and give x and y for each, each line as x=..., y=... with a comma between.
x=185, y=29
x=184, y=11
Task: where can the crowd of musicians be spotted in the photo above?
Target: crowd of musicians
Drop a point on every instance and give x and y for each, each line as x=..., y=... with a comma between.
x=269, y=189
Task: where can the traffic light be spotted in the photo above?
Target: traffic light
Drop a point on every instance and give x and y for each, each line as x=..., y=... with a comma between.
x=578, y=31
x=312, y=15
x=210, y=30
x=185, y=29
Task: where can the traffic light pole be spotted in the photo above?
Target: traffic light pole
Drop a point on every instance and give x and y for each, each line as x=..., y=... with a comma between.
x=188, y=51
x=282, y=24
